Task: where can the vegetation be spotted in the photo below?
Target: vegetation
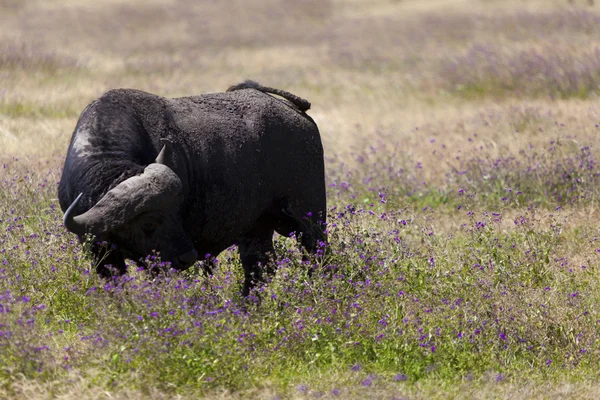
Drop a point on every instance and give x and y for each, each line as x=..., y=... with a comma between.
x=462, y=180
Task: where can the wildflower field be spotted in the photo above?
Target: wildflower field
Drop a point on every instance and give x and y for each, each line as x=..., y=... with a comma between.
x=461, y=142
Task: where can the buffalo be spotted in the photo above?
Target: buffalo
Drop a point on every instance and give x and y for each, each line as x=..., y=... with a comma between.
x=190, y=176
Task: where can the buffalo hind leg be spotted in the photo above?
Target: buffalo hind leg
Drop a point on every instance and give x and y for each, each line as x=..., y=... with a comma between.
x=256, y=250
x=309, y=226
x=313, y=240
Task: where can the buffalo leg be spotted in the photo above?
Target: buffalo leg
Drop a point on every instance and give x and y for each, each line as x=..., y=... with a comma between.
x=309, y=225
x=256, y=250
x=311, y=236
x=208, y=265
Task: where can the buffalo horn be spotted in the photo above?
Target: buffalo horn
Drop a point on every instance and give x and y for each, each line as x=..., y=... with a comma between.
x=158, y=187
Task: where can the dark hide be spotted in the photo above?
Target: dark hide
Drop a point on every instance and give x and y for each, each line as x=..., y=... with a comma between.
x=249, y=164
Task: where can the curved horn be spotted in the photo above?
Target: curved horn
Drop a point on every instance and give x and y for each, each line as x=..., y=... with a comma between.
x=158, y=187
x=68, y=218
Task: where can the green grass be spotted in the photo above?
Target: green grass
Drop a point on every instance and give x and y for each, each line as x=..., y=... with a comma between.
x=401, y=300
x=18, y=109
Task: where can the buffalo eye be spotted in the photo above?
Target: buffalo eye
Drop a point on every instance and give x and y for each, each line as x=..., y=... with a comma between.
x=150, y=225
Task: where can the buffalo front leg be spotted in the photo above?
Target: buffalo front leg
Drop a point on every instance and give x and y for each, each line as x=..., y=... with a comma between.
x=208, y=265
x=256, y=251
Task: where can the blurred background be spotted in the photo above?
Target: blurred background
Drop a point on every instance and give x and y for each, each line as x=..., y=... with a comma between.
x=402, y=72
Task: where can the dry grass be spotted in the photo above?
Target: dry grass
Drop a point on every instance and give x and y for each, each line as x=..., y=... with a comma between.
x=365, y=66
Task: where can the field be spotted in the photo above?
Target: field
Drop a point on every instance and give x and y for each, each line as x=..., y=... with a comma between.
x=463, y=187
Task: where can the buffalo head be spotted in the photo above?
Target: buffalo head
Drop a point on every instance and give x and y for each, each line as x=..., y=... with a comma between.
x=141, y=215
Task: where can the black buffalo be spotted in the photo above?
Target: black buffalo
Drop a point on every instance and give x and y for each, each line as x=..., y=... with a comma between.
x=191, y=176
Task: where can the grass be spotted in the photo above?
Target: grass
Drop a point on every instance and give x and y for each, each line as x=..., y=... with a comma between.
x=462, y=179
x=15, y=109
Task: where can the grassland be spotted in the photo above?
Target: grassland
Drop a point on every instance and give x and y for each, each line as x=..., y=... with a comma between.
x=463, y=185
